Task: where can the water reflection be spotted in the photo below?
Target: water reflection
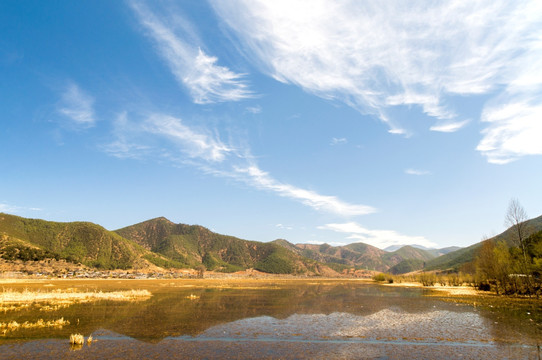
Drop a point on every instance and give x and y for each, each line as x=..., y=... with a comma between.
x=324, y=318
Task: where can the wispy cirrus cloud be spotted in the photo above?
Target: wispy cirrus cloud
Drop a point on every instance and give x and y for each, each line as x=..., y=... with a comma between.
x=285, y=227
x=254, y=109
x=338, y=141
x=417, y=172
x=514, y=130
x=12, y=209
x=206, y=151
x=449, y=127
x=199, y=72
x=378, y=238
x=77, y=106
x=260, y=179
x=383, y=55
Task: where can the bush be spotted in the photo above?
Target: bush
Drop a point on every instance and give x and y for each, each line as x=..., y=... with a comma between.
x=379, y=277
x=428, y=279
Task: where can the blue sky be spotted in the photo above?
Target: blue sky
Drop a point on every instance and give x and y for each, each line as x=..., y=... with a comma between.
x=313, y=121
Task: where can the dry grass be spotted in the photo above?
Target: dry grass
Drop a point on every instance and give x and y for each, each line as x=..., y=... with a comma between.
x=70, y=296
x=12, y=307
x=77, y=339
x=14, y=325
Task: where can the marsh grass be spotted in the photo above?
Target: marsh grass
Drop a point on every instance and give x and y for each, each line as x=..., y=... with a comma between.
x=77, y=339
x=12, y=307
x=6, y=327
x=56, y=297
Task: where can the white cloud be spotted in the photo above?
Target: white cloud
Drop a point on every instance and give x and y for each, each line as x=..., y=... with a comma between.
x=338, y=141
x=206, y=81
x=11, y=209
x=6, y=208
x=195, y=144
x=417, y=172
x=207, y=152
x=378, y=238
x=262, y=180
x=449, y=127
x=254, y=109
x=285, y=227
x=77, y=106
x=514, y=130
x=377, y=55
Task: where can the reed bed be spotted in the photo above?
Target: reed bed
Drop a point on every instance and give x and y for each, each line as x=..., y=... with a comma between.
x=26, y=296
x=14, y=325
x=12, y=307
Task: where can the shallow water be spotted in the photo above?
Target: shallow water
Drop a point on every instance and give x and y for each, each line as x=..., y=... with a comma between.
x=282, y=319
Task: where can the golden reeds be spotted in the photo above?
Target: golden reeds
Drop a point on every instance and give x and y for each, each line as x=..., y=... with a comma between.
x=77, y=339
x=14, y=325
x=9, y=296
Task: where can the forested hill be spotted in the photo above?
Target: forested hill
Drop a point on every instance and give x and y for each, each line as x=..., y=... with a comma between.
x=191, y=245
x=83, y=242
x=161, y=243
x=157, y=242
x=457, y=259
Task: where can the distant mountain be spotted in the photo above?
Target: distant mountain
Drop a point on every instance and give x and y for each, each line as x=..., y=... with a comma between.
x=357, y=255
x=435, y=252
x=456, y=259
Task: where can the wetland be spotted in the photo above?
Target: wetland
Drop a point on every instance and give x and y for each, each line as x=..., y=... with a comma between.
x=251, y=318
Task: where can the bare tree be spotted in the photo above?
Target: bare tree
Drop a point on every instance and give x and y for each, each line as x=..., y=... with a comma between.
x=200, y=269
x=516, y=218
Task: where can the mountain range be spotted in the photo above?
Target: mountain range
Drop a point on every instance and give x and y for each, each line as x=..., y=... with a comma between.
x=160, y=243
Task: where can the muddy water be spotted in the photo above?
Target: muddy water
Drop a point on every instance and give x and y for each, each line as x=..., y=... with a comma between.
x=272, y=319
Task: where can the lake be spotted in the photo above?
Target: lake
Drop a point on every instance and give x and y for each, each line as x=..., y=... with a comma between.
x=282, y=319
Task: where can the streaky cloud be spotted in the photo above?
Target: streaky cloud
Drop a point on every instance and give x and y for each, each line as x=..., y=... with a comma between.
x=77, y=106
x=417, y=172
x=13, y=209
x=514, y=131
x=338, y=141
x=199, y=72
x=374, y=56
x=449, y=127
x=262, y=180
x=378, y=238
x=205, y=151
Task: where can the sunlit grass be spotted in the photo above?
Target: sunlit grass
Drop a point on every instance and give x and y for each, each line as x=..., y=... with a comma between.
x=77, y=339
x=70, y=295
x=6, y=327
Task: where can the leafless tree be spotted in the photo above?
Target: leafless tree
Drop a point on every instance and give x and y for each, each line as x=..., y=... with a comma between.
x=200, y=269
x=516, y=218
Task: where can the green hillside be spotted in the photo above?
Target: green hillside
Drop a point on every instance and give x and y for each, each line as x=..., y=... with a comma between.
x=456, y=259
x=407, y=266
x=82, y=242
x=191, y=245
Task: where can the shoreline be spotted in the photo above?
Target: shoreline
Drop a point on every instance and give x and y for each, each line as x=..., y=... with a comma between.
x=244, y=280
x=449, y=290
